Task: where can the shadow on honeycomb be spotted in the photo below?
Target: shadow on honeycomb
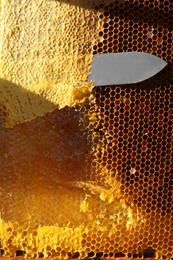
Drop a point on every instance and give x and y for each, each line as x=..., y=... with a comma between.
x=52, y=153
x=139, y=11
x=54, y=202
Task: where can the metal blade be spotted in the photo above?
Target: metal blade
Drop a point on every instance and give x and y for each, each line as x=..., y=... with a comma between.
x=124, y=68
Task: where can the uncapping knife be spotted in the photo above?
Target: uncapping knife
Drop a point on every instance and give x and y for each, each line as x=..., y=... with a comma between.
x=124, y=68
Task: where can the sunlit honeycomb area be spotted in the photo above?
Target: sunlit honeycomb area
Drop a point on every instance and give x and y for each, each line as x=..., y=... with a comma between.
x=85, y=171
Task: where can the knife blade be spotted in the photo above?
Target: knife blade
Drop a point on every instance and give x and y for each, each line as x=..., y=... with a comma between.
x=124, y=68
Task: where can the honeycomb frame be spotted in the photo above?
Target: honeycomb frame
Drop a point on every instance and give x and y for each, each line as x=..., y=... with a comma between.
x=127, y=133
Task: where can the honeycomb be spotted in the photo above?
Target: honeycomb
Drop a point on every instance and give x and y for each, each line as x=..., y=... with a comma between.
x=84, y=171
x=46, y=49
